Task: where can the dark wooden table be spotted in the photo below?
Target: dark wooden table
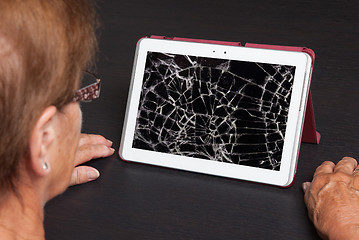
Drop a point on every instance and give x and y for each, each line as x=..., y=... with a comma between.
x=134, y=201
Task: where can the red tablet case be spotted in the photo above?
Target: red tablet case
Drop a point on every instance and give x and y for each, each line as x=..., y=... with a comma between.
x=309, y=133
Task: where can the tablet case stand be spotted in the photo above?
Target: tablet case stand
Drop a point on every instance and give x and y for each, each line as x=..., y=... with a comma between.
x=309, y=133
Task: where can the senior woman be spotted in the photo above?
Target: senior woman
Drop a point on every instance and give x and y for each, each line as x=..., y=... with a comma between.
x=44, y=47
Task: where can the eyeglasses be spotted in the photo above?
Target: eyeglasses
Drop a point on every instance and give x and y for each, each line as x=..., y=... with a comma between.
x=90, y=89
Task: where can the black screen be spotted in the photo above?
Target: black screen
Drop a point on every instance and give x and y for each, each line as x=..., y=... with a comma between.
x=216, y=109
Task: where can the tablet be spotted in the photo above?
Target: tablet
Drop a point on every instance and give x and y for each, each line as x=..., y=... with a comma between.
x=223, y=110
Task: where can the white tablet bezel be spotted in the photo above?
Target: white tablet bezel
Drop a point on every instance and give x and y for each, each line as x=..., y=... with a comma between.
x=282, y=177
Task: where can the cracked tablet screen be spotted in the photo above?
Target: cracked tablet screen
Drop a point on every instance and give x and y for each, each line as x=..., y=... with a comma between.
x=221, y=110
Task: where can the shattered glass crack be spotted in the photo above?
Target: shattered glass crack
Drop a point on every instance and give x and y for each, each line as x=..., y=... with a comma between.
x=216, y=109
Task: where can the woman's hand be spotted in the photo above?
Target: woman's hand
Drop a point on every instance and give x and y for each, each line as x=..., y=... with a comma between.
x=332, y=199
x=90, y=147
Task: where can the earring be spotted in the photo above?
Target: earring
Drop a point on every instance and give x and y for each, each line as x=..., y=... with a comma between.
x=45, y=166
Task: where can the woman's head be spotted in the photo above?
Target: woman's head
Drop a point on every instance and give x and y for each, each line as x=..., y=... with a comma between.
x=44, y=46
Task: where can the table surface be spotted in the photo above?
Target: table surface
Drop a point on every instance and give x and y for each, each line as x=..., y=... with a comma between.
x=134, y=201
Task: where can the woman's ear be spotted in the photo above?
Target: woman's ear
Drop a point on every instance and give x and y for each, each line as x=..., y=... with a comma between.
x=41, y=138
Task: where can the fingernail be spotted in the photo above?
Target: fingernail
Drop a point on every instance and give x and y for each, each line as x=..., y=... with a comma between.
x=110, y=142
x=93, y=174
x=305, y=186
x=112, y=149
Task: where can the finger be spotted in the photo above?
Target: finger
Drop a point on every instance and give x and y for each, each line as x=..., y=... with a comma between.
x=87, y=152
x=355, y=183
x=83, y=174
x=325, y=167
x=346, y=165
x=308, y=199
x=305, y=186
x=94, y=139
